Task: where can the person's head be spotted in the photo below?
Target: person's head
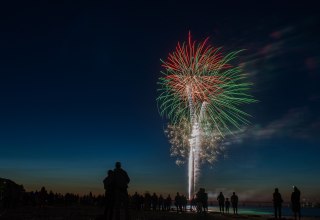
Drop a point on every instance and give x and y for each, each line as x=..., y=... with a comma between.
x=295, y=188
x=220, y=193
x=233, y=193
x=227, y=199
x=118, y=165
x=276, y=190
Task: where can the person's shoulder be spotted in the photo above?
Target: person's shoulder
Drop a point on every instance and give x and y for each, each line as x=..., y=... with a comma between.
x=121, y=170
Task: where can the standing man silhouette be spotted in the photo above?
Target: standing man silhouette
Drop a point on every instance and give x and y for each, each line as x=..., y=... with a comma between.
x=295, y=202
x=221, y=202
x=277, y=203
x=234, y=202
x=121, y=181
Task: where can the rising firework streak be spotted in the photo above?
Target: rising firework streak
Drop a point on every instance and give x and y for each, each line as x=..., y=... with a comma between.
x=200, y=94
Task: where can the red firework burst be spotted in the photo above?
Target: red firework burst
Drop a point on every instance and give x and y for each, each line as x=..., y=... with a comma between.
x=194, y=66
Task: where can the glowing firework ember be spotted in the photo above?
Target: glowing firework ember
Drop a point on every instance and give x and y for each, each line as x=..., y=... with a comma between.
x=200, y=94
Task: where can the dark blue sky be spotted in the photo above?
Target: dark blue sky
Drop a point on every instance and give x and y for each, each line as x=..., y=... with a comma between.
x=78, y=92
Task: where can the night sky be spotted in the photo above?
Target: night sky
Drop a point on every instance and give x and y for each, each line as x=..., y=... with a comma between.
x=78, y=88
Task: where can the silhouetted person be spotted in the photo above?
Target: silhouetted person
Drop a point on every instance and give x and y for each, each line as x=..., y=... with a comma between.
x=147, y=201
x=161, y=203
x=121, y=181
x=234, y=202
x=154, y=201
x=295, y=203
x=184, y=202
x=205, y=201
x=109, y=187
x=43, y=197
x=178, y=203
x=193, y=204
x=277, y=203
x=168, y=202
x=202, y=200
x=221, y=202
x=136, y=201
x=227, y=203
x=141, y=202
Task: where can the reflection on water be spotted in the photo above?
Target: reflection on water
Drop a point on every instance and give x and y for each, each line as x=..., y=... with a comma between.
x=286, y=211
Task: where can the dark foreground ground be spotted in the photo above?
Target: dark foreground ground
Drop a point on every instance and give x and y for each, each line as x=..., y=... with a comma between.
x=94, y=213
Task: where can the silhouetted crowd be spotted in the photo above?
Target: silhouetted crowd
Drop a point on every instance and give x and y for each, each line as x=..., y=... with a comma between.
x=150, y=202
x=42, y=198
x=116, y=199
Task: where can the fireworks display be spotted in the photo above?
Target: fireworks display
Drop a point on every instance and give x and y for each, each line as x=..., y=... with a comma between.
x=200, y=93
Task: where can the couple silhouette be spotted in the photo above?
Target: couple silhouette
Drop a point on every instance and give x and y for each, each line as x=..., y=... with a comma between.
x=116, y=193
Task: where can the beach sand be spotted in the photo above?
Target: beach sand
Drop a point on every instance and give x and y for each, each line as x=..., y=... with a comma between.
x=95, y=213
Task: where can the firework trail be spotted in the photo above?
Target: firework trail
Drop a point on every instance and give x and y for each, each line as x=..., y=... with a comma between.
x=200, y=93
